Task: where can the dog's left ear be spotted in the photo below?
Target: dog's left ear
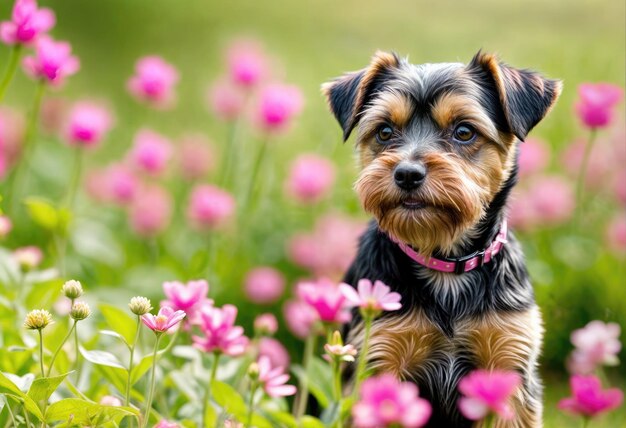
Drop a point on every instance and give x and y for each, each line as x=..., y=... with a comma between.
x=347, y=95
x=526, y=96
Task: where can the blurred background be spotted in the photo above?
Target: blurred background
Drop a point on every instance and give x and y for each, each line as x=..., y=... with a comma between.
x=577, y=265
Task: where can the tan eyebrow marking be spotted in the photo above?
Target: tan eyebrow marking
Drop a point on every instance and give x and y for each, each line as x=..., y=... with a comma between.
x=452, y=107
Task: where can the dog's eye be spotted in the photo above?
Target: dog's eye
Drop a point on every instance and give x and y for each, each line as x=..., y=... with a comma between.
x=464, y=133
x=384, y=133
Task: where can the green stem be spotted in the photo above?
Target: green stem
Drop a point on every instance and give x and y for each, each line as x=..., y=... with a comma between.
x=360, y=371
x=337, y=375
x=585, y=422
x=580, y=183
x=43, y=374
x=12, y=420
x=207, y=390
x=54, y=357
x=152, y=381
x=130, y=364
x=251, y=403
x=75, y=178
x=77, y=353
x=26, y=417
x=14, y=59
x=229, y=154
x=489, y=420
x=302, y=397
x=255, y=172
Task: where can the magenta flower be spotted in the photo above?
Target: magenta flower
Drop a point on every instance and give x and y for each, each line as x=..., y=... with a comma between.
x=310, y=178
x=274, y=379
x=327, y=299
x=264, y=285
x=300, y=318
x=596, y=344
x=386, y=402
x=596, y=103
x=27, y=22
x=616, y=234
x=278, y=105
x=52, y=62
x=154, y=82
x=588, y=398
x=88, y=122
x=164, y=320
x=534, y=156
x=190, y=297
x=150, y=211
x=151, y=151
x=488, y=391
x=226, y=100
x=247, y=64
x=266, y=324
x=195, y=157
x=371, y=299
x=275, y=351
x=220, y=332
x=210, y=207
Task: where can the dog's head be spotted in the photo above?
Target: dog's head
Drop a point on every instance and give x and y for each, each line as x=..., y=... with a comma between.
x=436, y=142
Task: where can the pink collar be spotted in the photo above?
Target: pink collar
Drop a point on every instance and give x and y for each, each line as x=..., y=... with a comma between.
x=458, y=265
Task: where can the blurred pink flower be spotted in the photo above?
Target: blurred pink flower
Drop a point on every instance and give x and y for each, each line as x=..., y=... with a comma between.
x=12, y=130
x=164, y=320
x=371, y=298
x=150, y=211
x=154, y=82
x=619, y=186
x=87, y=124
x=220, y=332
x=189, y=297
x=5, y=226
x=110, y=400
x=616, y=234
x=151, y=151
x=310, y=178
x=386, y=402
x=588, y=398
x=116, y=183
x=521, y=214
x=327, y=299
x=27, y=22
x=274, y=379
x=266, y=324
x=552, y=199
x=488, y=391
x=164, y=423
x=53, y=115
x=534, y=156
x=53, y=61
x=247, y=64
x=275, y=351
x=210, y=207
x=601, y=162
x=226, y=100
x=28, y=257
x=195, y=157
x=596, y=344
x=300, y=318
x=264, y=285
x=596, y=102
x=330, y=248
x=277, y=106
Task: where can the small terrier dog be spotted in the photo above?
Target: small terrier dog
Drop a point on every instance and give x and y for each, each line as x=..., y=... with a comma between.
x=438, y=148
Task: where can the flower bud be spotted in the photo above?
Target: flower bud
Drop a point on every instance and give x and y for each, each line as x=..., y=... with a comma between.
x=72, y=289
x=37, y=319
x=80, y=311
x=140, y=305
x=265, y=325
x=253, y=371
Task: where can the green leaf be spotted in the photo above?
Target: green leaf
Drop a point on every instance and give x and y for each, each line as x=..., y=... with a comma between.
x=9, y=388
x=198, y=263
x=42, y=212
x=310, y=422
x=284, y=418
x=102, y=358
x=140, y=369
x=319, y=379
x=226, y=396
x=85, y=412
x=210, y=416
x=116, y=335
x=260, y=422
x=42, y=388
x=120, y=322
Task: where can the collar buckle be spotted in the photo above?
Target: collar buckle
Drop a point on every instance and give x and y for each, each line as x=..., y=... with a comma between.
x=459, y=267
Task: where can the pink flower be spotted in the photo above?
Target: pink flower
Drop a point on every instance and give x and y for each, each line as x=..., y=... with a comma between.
x=619, y=186
x=12, y=126
x=588, y=398
x=53, y=115
x=300, y=318
x=275, y=351
x=277, y=106
x=164, y=423
x=551, y=199
x=597, y=343
x=188, y=297
x=116, y=183
x=266, y=324
x=150, y=211
x=226, y=100
x=386, y=402
x=371, y=299
x=28, y=257
x=247, y=64
x=110, y=400
x=273, y=379
x=616, y=234
x=310, y=178
x=210, y=207
x=195, y=157
x=27, y=22
x=150, y=152
x=154, y=82
x=488, y=391
x=164, y=320
x=534, y=155
x=596, y=102
x=264, y=285
x=88, y=122
x=5, y=226
x=53, y=61
x=602, y=161
x=327, y=299
x=220, y=333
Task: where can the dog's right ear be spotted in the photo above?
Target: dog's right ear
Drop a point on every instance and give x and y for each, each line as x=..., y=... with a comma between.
x=347, y=95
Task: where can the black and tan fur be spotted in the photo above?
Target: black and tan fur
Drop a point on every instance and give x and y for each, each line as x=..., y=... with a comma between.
x=449, y=324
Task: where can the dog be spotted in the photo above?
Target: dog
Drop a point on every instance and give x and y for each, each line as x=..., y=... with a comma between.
x=438, y=148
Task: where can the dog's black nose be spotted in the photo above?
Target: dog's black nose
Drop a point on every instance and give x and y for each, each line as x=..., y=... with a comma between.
x=409, y=176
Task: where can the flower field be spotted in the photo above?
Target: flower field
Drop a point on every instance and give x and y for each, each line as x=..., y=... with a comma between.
x=178, y=211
